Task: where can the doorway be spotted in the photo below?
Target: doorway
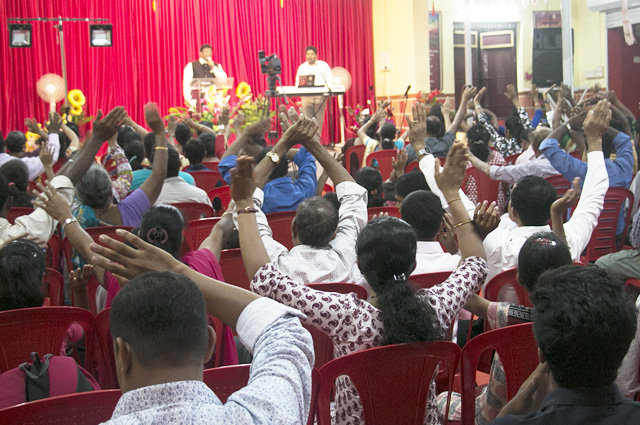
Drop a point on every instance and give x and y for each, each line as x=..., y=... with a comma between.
x=624, y=62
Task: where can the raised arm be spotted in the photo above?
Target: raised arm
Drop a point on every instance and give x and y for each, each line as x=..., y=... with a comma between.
x=137, y=127
x=512, y=94
x=467, y=95
x=248, y=134
x=153, y=185
x=74, y=141
x=220, y=234
x=561, y=205
x=377, y=116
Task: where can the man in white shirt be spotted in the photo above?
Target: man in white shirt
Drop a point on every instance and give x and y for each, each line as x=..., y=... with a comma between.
x=314, y=106
x=175, y=189
x=204, y=67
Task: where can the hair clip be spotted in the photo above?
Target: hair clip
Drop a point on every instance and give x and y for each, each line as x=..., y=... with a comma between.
x=545, y=241
x=400, y=277
x=157, y=235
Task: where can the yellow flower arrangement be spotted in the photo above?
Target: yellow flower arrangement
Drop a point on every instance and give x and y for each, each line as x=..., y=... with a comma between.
x=243, y=90
x=75, y=110
x=76, y=98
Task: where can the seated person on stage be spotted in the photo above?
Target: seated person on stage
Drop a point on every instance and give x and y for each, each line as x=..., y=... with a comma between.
x=324, y=239
x=16, y=141
x=204, y=67
x=140, y=176
x=423, y=211
x=583, y=324
x=161, y=340
x=280, y=192
x=541, y=252
x=175, y=189
x=539, y=166
x=514, y=125
x=436, y=142
x=195, y=152
x=532, y=197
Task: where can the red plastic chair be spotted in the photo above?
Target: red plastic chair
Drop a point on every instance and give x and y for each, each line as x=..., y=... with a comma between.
x=16, y=212
x=358, y=151
x=322, y=344
x=95, y=233
x=212, y=165
x=487, y=189
x=226, y=380
x=392, y=211
x=603, y=238
x=194, y=210
x=218, y=327
x=428, y=280
x=383, y=156
x=511, y=159
x=55, y=287
x=503, y=279
x=224, y=194
x=393, y=381
x=518, y=353
x=559, y=183
x=54, y=248
x=104, y=360
x=88, y=408
x=413, y=165
x=280, y=223
x=207, y=180
x=233, y=268
x=197, y=231
x=40, y=329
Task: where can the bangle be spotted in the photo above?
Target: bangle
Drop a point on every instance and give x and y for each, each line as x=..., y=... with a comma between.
x=161, y=148
x=462, y=224
x=247, y=210
x=69, y=221
x=453, y=200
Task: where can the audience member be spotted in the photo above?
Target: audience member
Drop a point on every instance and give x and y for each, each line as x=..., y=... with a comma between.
x=175, y=189
x=17, y=176
x=117, y=165
x=371, y=179
x=134, y=151
x=195, y=152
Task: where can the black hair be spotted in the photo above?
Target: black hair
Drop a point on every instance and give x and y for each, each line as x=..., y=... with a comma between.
x=94, y=188
x=386, y=250
x=4, y=191
x=313, y=48
x=183, y=134
x=541, y=251
x=281, y=169
x=206, y=124
x=373, y=128
x=206, y=46
x=435, y=127
x=410, y=182
x=316, y=221
x=22, y=265
x=607, y=145
x=209, y=141
x=195, y=151
x=173, y=162
x=123, y=132
x=17, y=175
x=134, y=150
x=423, y=211
x=389, y=191
x=65, y=142
x=15, y=141
x=2, y=144
x=333, y=198
x=149, y=142
x=436, y=111
x=515, y=127
x=388, y=135
x=532, y=197
x=635, y=127
x=583, y=323
x=371, y=179
x=131, y=137
x=478, y=141
x=162, y=315
x=161, y=226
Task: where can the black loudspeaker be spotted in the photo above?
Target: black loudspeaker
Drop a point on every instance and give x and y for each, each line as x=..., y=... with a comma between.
x=547, y=56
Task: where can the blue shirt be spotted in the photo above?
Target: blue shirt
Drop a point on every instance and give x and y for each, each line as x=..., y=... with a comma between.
x=140, y=176
x=282, y=194
x=620, y=170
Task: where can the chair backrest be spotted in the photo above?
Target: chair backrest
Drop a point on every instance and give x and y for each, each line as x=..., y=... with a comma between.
x=358, y=151
x=40, y=329
x=518, y=353
x=280, y=223
x=95, y=233
x=104, y=360
x=55, y=287
x=413, y=165
x=428, y=280
x=197, y=231
x=88, y=408
x=226, y=380
x=54, y=248
x=223, y=193
x=233, y=268
x=488, y=189
x=559, y=183
x=212, y=165
x=383, y=156
x=194, y=210
x=392, y=211
x=603, y=238
x=218, y=327
x=506, y=278
x=16, y=212
x=392, y=381
x=511, y=159
x=207, y=180
x=322, y=344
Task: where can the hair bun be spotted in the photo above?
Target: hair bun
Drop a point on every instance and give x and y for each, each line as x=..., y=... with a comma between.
x=157, y=236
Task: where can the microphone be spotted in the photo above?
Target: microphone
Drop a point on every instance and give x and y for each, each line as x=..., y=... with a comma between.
x=407, y=92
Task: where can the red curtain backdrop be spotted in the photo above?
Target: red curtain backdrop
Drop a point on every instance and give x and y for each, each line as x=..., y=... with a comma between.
x=151, y=48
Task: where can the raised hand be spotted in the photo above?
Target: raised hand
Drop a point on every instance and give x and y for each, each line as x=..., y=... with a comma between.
x=597, y=121
x=569, y=199
x=55, y=121
x=172, y=123
x=224, y=116
x=446, y=107
x=478, y=97
x=534, y=93
x=243, y=184
x=417, y=126
x=486, y=218
x=301, y=131
x=46, y=154
x=401, y=162
x=79, y=278
x=468, y=93
x=52, y=202
x=447, y=235
x=450, y=179
x=511, y=92
x=103, y=129
x=577, y=120
x=153, y=118
x=32, y=126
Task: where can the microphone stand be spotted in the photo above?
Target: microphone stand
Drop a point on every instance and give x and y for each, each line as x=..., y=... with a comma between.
x=404, y=108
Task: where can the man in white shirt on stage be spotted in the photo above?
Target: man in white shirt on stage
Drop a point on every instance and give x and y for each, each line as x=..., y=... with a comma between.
x=314, y=106
x=204, y=67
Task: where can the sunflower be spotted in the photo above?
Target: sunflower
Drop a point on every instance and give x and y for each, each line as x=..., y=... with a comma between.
x=243, y=90
x=76, y=98
x=76, y=110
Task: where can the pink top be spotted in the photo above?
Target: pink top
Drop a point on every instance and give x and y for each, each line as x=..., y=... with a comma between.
x=355, y=325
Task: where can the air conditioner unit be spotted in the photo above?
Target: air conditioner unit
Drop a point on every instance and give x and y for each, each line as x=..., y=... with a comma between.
x=610, y=5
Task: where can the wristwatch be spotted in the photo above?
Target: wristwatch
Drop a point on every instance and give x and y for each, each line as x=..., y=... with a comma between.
x=423, y=152
x=274, y=157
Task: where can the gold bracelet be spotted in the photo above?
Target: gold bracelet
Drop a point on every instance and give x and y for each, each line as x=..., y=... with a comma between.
x=247, y=210
x=462, y=224
x=453, y=200
x=161, y=148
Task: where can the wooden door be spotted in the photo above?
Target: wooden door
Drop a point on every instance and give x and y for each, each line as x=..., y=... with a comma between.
x=458, y=58
x=624, y=67
x=497, y=69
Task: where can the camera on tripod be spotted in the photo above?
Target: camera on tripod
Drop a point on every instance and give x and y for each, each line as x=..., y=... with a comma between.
x=269, y=65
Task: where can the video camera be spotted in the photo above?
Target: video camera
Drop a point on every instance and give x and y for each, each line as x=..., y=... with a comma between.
x=269, y=65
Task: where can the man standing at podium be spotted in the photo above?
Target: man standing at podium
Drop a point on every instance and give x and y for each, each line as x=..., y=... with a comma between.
x=314, y=106
x=204, y=67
